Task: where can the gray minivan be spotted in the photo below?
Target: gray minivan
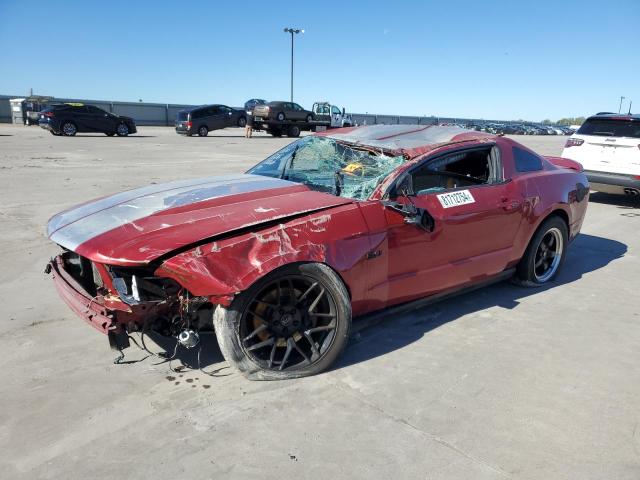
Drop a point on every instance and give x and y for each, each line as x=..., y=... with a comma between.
x=205, y=118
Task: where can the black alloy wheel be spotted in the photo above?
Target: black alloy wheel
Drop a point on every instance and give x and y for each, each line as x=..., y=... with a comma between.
x=290, y=324
x=122, y=130
x=69, y=129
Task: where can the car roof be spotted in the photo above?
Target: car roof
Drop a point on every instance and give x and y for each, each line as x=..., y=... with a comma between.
x=615, y=116
x=410, y=140
x=191, y=109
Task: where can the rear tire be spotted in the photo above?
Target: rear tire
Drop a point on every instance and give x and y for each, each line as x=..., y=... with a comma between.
x=203, y=131
x=544, y=255
x=284, y=340
x=69, y=129
x=294, y=131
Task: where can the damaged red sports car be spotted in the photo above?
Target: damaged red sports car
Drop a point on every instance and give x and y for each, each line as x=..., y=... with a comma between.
x=333, y=226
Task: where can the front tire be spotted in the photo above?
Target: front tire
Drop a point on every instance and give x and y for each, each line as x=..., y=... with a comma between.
x=122, y=130
x=292, y=323
x=544, y=255
x=242, y=122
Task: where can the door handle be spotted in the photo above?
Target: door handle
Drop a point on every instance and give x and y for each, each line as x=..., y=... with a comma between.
x=509, y=204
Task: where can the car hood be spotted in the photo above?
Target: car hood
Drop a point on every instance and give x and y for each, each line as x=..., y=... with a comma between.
x=138, y=226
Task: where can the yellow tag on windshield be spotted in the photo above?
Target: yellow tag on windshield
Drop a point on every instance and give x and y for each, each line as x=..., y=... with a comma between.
x=354, y=169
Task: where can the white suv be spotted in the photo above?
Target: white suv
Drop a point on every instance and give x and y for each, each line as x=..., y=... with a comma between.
x=608, y=147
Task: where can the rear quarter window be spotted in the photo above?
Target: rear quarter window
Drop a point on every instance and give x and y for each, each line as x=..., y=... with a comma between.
x=526, y=161
x=610, y=128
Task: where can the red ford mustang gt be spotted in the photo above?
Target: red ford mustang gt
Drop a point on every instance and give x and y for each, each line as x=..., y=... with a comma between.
x=333, y=226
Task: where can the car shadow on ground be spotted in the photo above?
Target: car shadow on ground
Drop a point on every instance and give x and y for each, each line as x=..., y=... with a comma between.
x=620, y=201
x=586, y=254
x=102, y=135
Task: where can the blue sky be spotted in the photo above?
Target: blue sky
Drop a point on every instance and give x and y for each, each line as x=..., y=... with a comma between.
x=500, y=60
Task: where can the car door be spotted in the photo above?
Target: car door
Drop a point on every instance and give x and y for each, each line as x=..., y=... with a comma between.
x=474, y=216
x=336, y=116
x=99, y=120
x=226, y=116
x=80, y=116
x=215, y=117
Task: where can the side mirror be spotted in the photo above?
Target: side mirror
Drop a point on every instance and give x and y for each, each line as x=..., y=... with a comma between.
x=413, y=215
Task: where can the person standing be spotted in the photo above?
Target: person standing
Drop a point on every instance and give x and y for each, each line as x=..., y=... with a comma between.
x=248, y=129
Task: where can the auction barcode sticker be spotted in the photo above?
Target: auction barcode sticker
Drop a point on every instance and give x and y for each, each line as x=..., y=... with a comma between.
x=453, y=199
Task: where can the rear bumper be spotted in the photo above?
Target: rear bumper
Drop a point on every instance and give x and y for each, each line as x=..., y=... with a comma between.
x=612, y=180
x=91, y=310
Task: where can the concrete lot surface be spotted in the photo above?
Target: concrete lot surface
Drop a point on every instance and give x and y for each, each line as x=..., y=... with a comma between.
x=503, y=382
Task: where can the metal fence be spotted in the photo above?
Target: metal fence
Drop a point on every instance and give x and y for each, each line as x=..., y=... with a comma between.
x=164, y=114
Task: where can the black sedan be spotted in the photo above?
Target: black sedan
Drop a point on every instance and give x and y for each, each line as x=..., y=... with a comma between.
x=68, y=119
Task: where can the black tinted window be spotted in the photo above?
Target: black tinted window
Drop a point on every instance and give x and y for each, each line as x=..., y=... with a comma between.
x=96, y=110
x=79, y=109
x=610, y=128
x=182, y=116
x=526, y=161
x=198, y=113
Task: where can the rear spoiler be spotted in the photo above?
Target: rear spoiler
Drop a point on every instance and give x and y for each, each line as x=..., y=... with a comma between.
x=565, y=163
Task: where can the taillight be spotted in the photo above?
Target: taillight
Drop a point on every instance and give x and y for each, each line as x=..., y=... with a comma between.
x=188, y=124
x=573, y=142
x=48, y=114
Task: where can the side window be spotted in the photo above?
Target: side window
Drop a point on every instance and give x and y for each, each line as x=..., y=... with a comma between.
x=79, y=110
x=526, y=161
x=287, y=106
x=215, y=110
x=461, y=169
x=95, y=110
x=297, y=107
x=335, y=110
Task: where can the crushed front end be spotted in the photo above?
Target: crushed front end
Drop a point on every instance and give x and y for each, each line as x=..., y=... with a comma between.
x=119, y=300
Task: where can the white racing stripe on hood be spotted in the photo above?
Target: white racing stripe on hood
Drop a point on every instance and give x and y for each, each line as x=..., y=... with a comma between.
x=77, y=225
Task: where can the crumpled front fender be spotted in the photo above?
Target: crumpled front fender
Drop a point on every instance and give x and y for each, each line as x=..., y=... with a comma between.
x=338, y=237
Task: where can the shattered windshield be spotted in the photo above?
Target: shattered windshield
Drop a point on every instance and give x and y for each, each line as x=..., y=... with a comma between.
x=326, y=165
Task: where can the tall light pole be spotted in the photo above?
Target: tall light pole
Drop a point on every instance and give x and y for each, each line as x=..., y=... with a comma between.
x=620, y=107
x=292, y=31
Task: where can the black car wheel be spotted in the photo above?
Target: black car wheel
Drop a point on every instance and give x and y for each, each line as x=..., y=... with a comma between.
x=294, y=131
x=122, y=130
x=280, y=117
x=544, y=255
x=293, y=323
x=242, y=122
x=309, y=118
x=69, y=129
x=203, y=131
